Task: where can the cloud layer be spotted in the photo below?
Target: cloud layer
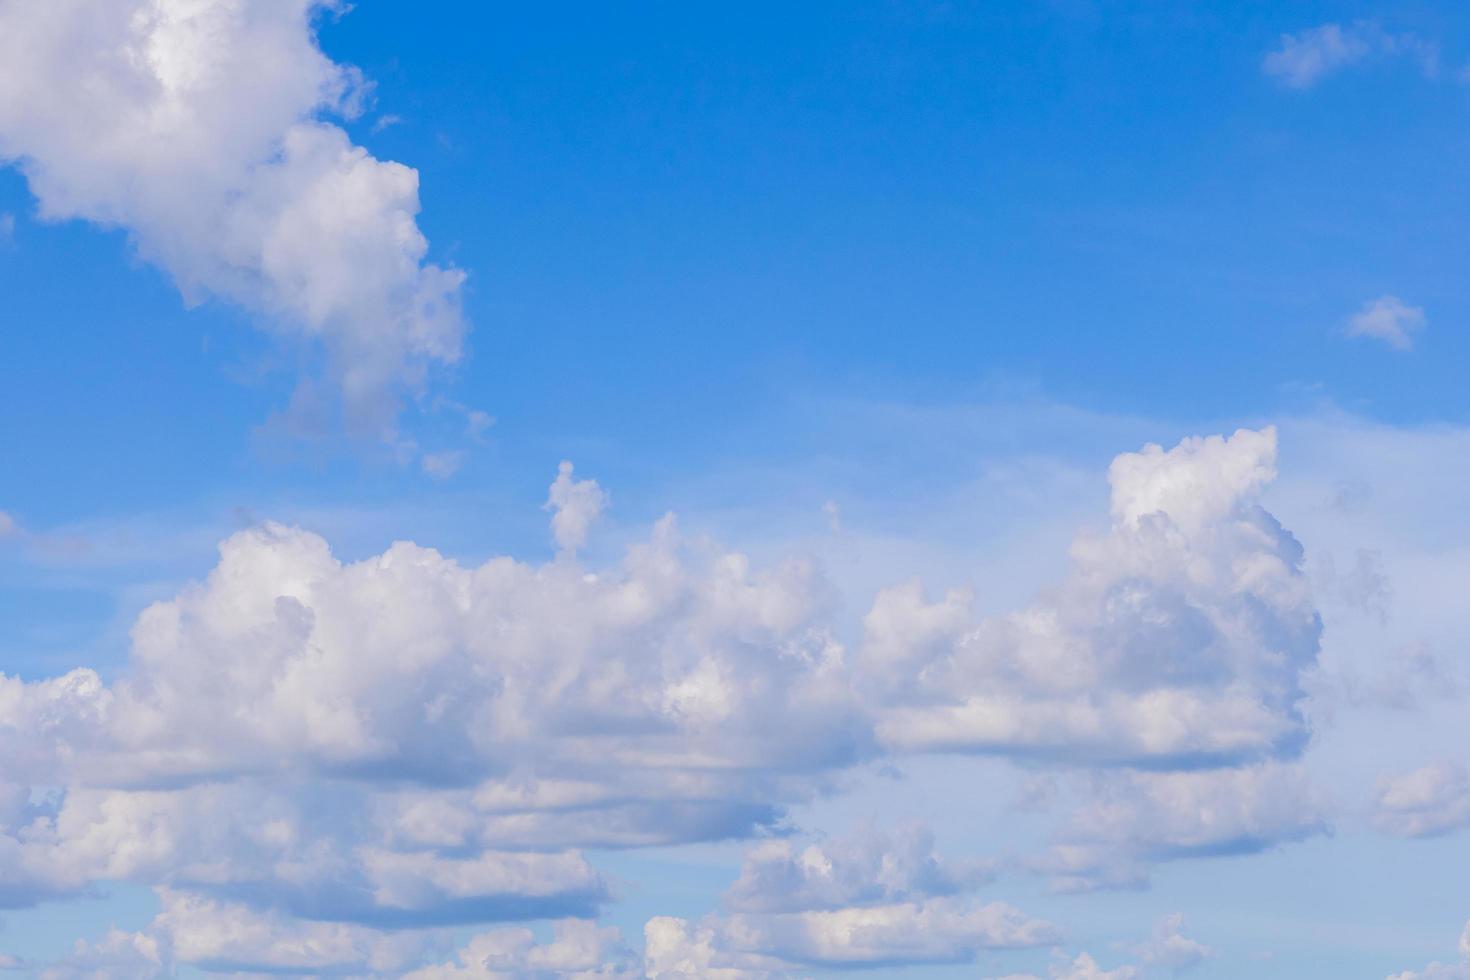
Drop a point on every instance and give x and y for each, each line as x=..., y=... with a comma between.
x=330, y=754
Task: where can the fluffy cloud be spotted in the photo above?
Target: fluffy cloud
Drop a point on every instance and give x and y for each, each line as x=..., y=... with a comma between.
x=1305, y=58
x=867, y=868
x=1169, y=949
x=197, y=126
x=575, y=506
x=675, y=949
x=1179, y=638
x=1133, y=819
x=1084, y=967
x=1429, y=801
x=579, y=950
x=221, y=937
x=406, y=741
x=1388, y=319
x=119, y=955
x=868, y=900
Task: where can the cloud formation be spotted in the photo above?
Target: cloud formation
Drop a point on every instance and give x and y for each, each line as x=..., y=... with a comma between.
x=406, y=742
x=1388, y=319
x=869, y=900
x=202, y=130
x=1168, y=949
x=1084, y=967
x=1427, y=802
x=1178, y=639
x=1306, y=57
x=1134, y=819
x=575, y=505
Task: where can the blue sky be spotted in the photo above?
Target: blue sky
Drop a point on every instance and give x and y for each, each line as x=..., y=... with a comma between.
x=883, y=301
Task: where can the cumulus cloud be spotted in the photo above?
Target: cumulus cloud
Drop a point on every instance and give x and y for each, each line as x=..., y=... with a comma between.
x=1306, y=57
x=119, y=955
x=1084, y=967
x=579, y=950
x=228, y=938
x=1166, y=950
x=1388, y=319
x=1169, y=949
x=1427, y=802
x=869, y=900
x=408, y=742
x=1179, y=638
x=221, y=937
x=1443, y=971
x=1133, y=819
x=575, y=506
x=869, y=867
x=202, y=130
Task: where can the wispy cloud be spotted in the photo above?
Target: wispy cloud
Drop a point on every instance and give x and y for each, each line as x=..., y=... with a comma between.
x=1388, y=319
x=1306, y=57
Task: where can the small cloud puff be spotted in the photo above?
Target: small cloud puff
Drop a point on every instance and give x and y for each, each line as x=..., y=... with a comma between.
x=1305, y=58
x=868, y=900
x=1390, y=320
x=1428, y=802
x=575, y=506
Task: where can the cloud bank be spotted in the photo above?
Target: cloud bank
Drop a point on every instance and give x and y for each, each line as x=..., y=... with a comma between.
x=332, y=755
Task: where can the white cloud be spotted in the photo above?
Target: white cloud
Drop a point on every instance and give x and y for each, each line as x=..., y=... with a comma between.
x=1133, y=819
x=866, y=868
x=1178, y=639
x=1305, y=58
x=221, y=937
x=198, y=127
x=1084, y=967
x=675, y=949
x=441, y=466
x=8, y=526
x=1388, y=319
x=579, y=950
x=575, y=506
x=406, y=742
x=119, y=955
x=1169, y=949
x=868, y=900
x=1424, y=803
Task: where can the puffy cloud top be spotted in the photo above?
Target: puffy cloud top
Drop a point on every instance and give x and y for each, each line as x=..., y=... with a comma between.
x=410, y=742
x=1178, y=639
x=196, y=126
